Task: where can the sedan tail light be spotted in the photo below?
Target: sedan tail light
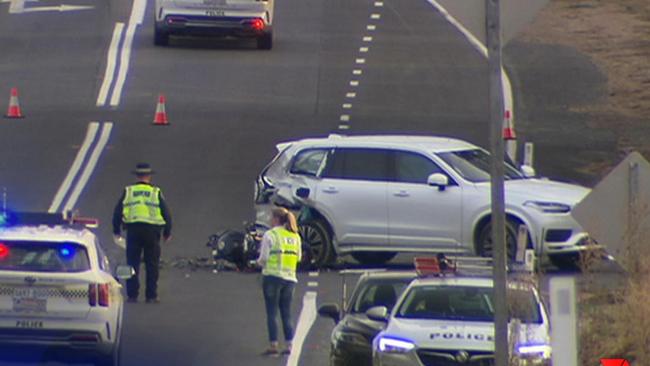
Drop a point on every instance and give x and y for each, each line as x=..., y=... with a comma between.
x=99, y=294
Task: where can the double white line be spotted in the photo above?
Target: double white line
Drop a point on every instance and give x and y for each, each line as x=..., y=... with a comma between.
x=121, y=54
x=83, y=166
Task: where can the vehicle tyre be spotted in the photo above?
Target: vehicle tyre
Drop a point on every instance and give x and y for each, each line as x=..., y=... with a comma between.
x=112, y=359
x=484, y=242
x=566, y=262
x=373, y=258
x=316, y=235
x=160, y=37
x=265, y=41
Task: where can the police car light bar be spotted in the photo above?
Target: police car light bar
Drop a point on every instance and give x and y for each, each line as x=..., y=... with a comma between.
x=46, y=219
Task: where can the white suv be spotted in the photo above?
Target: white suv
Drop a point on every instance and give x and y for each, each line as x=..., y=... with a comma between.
x=374, y=196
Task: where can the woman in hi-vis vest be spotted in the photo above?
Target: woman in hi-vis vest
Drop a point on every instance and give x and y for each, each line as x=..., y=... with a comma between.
x=280, y=253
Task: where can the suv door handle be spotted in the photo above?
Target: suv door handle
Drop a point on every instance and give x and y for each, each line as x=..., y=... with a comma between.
x=401, y=194
x=330, y=190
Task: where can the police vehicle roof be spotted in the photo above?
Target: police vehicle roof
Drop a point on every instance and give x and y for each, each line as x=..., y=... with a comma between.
x=430, y=143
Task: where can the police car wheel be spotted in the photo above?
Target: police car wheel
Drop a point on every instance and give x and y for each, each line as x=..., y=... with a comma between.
x=317, y=236
x=373, y=258
x=160, y=37
x=484, y=242
x=265, y=41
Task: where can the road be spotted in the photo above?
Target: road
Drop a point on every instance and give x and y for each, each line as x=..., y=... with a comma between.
x=398, y=67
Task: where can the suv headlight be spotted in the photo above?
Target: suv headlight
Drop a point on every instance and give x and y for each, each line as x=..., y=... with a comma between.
x=548, y=207
x=389, y=344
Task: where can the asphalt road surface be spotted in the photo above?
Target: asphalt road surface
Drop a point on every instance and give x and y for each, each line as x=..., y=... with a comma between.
x=229, y=104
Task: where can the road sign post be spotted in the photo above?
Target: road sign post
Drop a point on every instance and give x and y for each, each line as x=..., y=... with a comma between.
x=499, y=252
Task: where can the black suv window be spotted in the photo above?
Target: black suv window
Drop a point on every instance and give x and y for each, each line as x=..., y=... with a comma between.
x=414, y=168
x=308, y=162
x=359, y=164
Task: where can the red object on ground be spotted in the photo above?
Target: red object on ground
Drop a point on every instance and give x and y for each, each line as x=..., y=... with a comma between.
x=508, y=128
x=614, y=362
x=14, y=106
x=160, y=119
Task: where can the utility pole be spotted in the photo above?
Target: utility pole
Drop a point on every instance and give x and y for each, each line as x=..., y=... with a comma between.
x=499, y=252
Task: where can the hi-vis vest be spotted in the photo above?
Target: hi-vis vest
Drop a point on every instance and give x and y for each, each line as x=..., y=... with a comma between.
x=284, y=255
x=142, y=205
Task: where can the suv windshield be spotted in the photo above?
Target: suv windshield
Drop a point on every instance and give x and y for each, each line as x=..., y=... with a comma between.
x=466, y=303
x=384, y=292
x=35, y=256
x=474, y=165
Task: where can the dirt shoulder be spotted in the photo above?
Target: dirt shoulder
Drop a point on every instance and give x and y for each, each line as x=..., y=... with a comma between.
x=616, y=35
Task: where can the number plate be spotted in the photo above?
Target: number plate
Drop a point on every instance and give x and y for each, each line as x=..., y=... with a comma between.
x=29, y=300
x=30, y=324
x=215, y=13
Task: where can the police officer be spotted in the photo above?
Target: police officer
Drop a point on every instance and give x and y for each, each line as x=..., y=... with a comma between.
x=143, y=213
x=280, y=253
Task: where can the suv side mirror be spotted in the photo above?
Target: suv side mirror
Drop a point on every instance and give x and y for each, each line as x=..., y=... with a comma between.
x=124, y=272
x=330, y=311
x=378, y=313
x=528, y=171
x=302, y=192
x=438, y=180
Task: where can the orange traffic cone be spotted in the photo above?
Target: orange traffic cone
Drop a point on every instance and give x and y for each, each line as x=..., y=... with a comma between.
x=14, y=107
x=508, y=128
x=160, y=119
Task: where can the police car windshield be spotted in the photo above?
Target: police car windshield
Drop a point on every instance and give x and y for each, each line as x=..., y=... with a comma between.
x=35, y=256
x=474, y=165
x=465, y=303
x=384, y=292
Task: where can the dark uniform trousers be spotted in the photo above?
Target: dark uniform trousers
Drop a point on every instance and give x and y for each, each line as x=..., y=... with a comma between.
x=143, y=239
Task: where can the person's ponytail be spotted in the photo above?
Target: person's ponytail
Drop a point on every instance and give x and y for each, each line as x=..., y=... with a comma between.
x=286, y=219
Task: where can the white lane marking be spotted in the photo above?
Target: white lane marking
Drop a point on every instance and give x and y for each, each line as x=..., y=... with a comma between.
x=375, y=16
x=357, y=72
x=90, y=166
x=345, y=118
x=360, y=61
x=16, y=6
x=314, y=274
x=364, y=49
x=367, y=39
x=59, y=8
x=74, y=169
x=312, y=284
x=125, y=60
x=371, y=27
x=137, y=12
x=379, y=4
x=511, y=145
x=305, y=322
x=350, y=95
x=111, y=60
x=354, y=83
x=344, y=127
x=347, y=106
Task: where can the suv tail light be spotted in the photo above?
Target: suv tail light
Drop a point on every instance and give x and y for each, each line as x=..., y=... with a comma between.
x=256, y=24
x=99, y=294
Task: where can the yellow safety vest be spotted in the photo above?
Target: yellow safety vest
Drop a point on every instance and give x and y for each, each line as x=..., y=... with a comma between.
x=284, y=254
x=142, y=205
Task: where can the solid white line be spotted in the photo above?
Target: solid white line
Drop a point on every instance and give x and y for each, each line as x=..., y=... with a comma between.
x=511, y=146
x=305, y=321
x=16, y=6
x=76, y=164
x=111, y=60
x=90, y=167
x=312, y=284
x=137, y=12
x=314, y=274
x=125, y=60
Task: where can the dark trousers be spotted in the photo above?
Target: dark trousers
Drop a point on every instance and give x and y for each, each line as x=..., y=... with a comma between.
x=143, y=239
x=278, y=294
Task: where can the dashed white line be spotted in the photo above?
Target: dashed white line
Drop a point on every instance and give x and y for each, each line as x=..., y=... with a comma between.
x=305, y=321
x=379, y=4
x=360, y=61
x=351, y=95
x=314, y=274
x=344, y=118
x=111, y=60
x=354, y=83
x=357, y=72
x=375, y=16
x=344, y=127
x=74, y=169
x=90, y=166
x=371, y=27
x=364, y=49
x=347, y=106
x=312, y=284
x=367, y=39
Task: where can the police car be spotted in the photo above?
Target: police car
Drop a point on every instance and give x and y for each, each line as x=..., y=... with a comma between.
x=449, y=320
x=216, y=18
x=57, y=290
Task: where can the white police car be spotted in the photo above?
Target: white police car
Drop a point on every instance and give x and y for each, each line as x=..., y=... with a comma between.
x=445, y=321
x=216, y=18
x=57, y=290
